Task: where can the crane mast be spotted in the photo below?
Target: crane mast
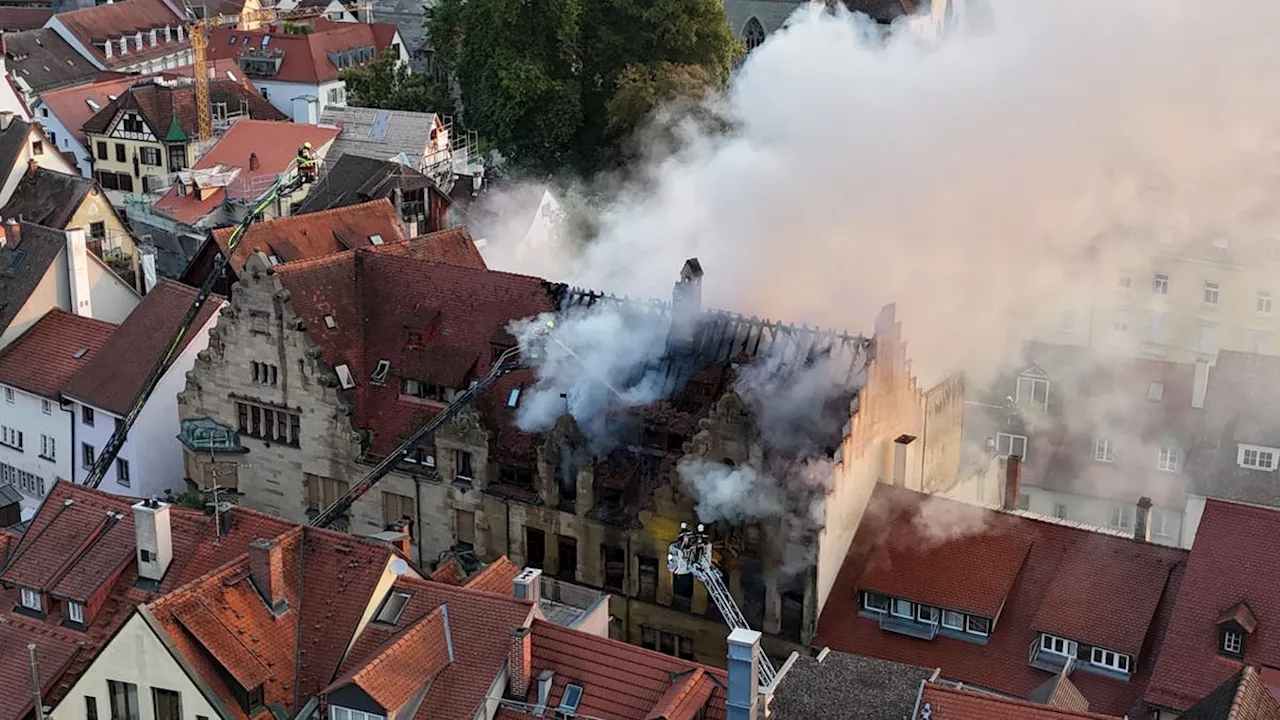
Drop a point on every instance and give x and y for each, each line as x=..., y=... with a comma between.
x=690, y=554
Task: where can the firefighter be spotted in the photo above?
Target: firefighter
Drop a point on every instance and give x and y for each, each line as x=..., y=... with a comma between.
x=306, y=163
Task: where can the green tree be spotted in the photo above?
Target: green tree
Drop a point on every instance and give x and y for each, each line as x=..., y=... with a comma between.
x=387, y=84
x=565, y=82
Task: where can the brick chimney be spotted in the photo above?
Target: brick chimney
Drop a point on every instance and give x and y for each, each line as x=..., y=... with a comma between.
x=32, y=166
x=1142, y=520
x=519, y=662
x=266, y=570
x=1012, y=482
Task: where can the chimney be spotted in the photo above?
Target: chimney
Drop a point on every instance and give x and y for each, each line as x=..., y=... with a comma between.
x=546, y=679
x=529, y=585
x=153, y=536
x=78, y=272
x=744, y=674
x=519, y=662
x=254, y=163
x=6, y=117
x=686, y=302
x=266, y=569
x=1012, y=482
x=900, y=459
x=12, y=233
x=1142, y=521
x=32, y=166
x=306, y=110
x=1201, y=384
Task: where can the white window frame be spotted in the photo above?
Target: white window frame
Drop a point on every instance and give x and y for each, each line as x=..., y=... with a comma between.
x=1011, y=441
x=1030, y=397
x=1167, y=459
x=46, y=406
x=1160, y=523
x=927, y=614
x=8, y=395
x=1212, y=293
x=1058, y=645
x=1257, y=457
x=75, y=612
x=953, y=620
x=1263, y=304
x=1235, y=647
x=31, y=599
x=970, y=620
x=1155, y=391
x=1109, y=659
x=1104, y=450
x=1119, y=518
x=896, y=603
x=867, y=602
x=1160, y=284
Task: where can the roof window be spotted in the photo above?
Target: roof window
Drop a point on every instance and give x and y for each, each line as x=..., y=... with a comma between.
x=1156, y=392
x=571, y=699
x=233, y=40
x=380, y=373
x=375, y=239
x=344, y=376
x=93, y=105
x=391, y=608
x=80, y=353
x=329, y=322
x=513, y=399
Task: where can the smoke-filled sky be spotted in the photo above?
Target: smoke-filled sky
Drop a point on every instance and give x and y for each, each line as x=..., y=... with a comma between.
x=962, y=180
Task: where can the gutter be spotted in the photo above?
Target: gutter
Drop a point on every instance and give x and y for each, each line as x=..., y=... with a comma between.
x=196, y=678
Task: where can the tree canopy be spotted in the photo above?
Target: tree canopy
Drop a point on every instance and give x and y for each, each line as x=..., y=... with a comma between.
x=388, y=85
x=562, y=83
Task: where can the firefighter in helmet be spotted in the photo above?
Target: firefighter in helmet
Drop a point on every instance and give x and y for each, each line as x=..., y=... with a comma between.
x=306, y=163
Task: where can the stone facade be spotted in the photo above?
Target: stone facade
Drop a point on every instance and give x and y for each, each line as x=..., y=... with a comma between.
x=558, y=507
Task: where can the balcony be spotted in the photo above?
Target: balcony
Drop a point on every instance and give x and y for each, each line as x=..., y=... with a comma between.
x=1056, y=663
x=573, y=606
x=908, y=626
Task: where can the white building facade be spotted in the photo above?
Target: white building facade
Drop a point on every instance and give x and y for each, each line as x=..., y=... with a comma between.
x=35, y=444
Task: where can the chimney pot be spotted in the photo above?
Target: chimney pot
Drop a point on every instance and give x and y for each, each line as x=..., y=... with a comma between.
x=520, y=662
x=900, y=459
x=1142, y=521
x=153, y=538
x=266, y=569
x=32, y=165
x=744, y=675
x=1012, y=482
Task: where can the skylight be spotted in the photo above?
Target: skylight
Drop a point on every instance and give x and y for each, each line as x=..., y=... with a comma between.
x=231, y=76
x=233, y=40
x=391, y=608
x=380, y=372
x=1155, y=392
x=344, y=376
x=93, y=105
x=514, y=398
x=571, y=700
x=375, y=239
x=329, y=322
x=80, y=353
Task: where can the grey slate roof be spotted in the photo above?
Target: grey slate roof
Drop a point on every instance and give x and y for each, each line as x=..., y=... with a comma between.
x=44, y=61
x=22, y=267
x=9, y=495
x=850, y=687
x=12, y=140
x=354, y=179
x=174, y=249
x=380, y=134
x=47, y=197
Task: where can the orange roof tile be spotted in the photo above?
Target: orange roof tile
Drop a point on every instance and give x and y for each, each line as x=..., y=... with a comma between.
x=306, y=57
x=497, y=577
x=946, y=703
x=111, y=21
x=405, y=663
x=452, y=247
x=44, y=358
x=449, y=573
x=316, y=235
x=119, y=369
x=261, y=149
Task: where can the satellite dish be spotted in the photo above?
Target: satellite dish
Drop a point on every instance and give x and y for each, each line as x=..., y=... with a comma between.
x=399, y=567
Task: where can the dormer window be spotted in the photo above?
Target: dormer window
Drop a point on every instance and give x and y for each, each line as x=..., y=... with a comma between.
x=1257, y=457
x=31, y=599
x=1033, y=390
x=1109, y=660
x=379, y=376
x=1232, y=643
x=1234, y=627
x=75, y=612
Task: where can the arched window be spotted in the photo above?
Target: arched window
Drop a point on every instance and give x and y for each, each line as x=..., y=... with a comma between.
x=753, y=34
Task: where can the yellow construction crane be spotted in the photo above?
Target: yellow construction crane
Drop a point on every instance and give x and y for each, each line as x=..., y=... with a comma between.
x=246, y=20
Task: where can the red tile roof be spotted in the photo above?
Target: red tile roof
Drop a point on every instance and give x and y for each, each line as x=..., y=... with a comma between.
x=23, y=18
x=372, y=296
x=452, y=247
x=449, y=573
x=306, y=57
x=59, y=549
x=498, y=577
x=480, y=625
x=43, y=359
x=261, y=149
x=161, y=103
x=948, y=703
x=316, y=235
x=404, y=663
x=93, y=25
x=904, y=519
x=621, y=681
x=1233, y=559
x=119, y=369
